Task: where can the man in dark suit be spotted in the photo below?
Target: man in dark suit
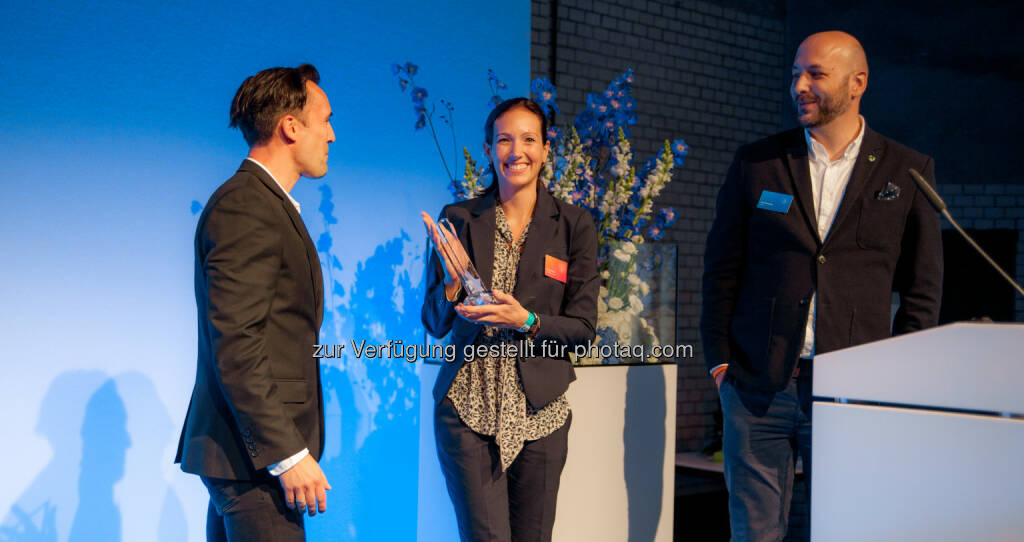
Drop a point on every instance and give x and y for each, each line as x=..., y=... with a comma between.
x=255, y=428
x=814, y=231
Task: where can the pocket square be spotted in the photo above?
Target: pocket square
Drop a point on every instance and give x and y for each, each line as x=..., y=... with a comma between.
x=889, y=192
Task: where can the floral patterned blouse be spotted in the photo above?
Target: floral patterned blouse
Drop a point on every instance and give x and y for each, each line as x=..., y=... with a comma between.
x=487, y=392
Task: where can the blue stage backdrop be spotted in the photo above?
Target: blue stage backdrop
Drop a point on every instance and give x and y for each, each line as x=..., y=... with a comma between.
x=113, y=133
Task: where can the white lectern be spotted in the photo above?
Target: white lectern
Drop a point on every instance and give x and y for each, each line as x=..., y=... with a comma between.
x=921, y=437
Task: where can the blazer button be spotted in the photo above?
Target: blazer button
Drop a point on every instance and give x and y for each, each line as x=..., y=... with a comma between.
x=822, y=259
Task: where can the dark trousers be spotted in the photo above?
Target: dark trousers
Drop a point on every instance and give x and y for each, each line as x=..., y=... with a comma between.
x=761, y=436
x=490, y=505
x=243, y=511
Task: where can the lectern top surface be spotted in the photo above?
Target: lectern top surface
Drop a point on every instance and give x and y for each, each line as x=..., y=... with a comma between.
x=966, y=366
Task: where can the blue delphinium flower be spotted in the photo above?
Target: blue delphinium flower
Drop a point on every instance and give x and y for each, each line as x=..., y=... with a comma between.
x=597, y=104
x=648, y=166
x=418, y=95
x=585, y=124
x=667, y=216
x=411, y=68
x=554, y=133
x=543, y=92
x=493, y=79
x=607, y=112
x=679, y=151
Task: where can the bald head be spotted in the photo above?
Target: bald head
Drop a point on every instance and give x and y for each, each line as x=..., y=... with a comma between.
x=830, y=74
x=839, y=48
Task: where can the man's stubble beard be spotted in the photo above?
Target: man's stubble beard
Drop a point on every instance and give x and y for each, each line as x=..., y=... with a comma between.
x=829, y=109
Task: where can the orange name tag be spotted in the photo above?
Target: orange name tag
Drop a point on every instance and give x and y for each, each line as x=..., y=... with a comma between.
x=555, y=268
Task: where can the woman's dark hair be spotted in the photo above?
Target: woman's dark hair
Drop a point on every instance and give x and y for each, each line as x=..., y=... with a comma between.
x=263, y=98
x=513, y=103
x=500, y=110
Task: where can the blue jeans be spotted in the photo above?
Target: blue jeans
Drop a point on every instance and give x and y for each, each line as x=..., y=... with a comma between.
x=762, y=434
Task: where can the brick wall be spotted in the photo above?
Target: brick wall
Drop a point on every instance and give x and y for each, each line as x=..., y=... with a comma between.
x=986, y=207
x=713, y=74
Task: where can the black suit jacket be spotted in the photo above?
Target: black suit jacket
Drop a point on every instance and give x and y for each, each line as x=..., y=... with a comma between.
x=259, y=296
x=761, y=267
x=568, y=312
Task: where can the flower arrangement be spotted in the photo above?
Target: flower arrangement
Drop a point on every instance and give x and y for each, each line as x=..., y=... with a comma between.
x=590, y=165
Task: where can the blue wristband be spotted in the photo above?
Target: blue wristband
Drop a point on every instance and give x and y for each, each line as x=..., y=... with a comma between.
x=529, y=322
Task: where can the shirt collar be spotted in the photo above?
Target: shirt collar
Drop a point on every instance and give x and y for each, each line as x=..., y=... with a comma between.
x=818, y=152
x=298, y=208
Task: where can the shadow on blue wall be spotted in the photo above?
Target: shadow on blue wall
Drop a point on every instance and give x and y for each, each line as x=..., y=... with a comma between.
x=86, y=420
x=644, y=442
x=152, y=503
x=371, y=404
x=104, y=445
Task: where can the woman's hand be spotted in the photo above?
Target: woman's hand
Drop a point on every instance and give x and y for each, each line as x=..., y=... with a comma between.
x=450, y=254
x=506, y=313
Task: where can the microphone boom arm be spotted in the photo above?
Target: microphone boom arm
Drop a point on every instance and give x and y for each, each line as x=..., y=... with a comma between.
x=940, y=206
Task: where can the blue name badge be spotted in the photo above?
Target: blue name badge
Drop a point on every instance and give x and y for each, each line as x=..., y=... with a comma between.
x=774, y=201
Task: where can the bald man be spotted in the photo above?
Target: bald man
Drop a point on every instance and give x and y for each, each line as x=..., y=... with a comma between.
x=814, y=229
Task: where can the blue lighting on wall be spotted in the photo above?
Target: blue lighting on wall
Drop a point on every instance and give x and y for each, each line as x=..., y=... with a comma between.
x=113, y=132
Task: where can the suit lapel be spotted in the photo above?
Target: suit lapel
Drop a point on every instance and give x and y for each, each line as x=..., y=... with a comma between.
x=300, y=227
x=542, y=229
x=872, y=148
x=800, y=173
x=481, y=237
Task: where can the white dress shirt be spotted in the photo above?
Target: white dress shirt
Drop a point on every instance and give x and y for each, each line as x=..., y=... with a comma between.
x=298, y=208
x=828, y=185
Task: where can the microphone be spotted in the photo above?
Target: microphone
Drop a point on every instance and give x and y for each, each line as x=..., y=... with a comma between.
x=940, y=206
x=929, y=192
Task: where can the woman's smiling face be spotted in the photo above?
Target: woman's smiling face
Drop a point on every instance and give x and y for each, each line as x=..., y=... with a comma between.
x=519, y=149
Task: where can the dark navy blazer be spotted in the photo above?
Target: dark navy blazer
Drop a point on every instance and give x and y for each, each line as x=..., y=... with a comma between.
x=761, y=267
x=567, y=311
x=259, y=296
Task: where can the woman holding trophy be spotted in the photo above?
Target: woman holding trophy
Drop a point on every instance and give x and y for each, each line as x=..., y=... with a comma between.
x=501, y=419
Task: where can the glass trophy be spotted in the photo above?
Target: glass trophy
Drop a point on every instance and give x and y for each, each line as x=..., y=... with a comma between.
x=476, y=292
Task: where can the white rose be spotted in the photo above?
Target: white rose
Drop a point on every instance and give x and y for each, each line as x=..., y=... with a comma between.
x=615, y=303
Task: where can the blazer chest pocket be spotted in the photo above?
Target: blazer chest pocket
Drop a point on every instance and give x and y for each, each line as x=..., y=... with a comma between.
x=880, y=224
x=292, y=391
